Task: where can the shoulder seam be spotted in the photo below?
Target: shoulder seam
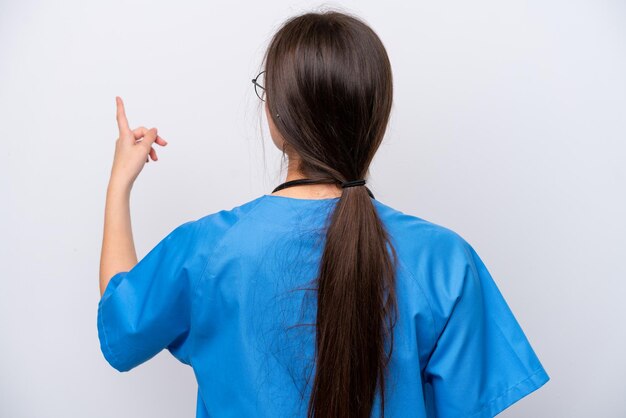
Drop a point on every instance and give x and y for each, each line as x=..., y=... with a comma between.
x=218, y=244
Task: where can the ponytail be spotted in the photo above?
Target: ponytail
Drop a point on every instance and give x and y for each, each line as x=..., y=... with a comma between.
x=356, y=311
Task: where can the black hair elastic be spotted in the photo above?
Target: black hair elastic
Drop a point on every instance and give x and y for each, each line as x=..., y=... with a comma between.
x=315, y=181
x=352, y=183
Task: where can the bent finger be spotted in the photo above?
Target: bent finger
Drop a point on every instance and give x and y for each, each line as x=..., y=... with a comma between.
x=159, y=140
x=150, y=136
x=148, y=139
x=139, y=132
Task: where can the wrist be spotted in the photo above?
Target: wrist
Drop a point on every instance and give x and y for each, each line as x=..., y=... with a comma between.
x=119, y=186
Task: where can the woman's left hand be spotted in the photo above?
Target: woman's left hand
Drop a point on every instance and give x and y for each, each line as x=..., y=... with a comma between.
x=133, y=149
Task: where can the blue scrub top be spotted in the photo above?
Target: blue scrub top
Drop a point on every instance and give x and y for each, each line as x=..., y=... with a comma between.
x=225, y=293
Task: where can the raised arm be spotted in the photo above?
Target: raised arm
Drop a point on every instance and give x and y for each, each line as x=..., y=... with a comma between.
x=133, y=149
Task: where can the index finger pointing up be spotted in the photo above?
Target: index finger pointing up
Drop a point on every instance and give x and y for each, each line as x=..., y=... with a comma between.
x=122, y=122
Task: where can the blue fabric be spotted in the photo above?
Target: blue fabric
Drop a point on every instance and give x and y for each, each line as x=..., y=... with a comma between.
x=231, y=295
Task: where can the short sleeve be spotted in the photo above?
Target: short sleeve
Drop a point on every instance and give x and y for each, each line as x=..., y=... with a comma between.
x=482, y=362
x=147, y=309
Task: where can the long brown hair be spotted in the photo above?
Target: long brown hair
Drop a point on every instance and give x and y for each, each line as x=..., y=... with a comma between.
x=328, y=77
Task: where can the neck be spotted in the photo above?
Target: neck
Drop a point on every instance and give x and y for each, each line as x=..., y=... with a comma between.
x=306, y=191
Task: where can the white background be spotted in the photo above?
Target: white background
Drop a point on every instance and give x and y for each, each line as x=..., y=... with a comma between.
x=508, y=126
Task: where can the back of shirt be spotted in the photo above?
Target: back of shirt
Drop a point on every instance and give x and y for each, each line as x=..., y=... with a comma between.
x=232, y=294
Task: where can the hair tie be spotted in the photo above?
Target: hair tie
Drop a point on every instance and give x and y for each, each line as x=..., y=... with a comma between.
x=352, y=183
x=297, y=182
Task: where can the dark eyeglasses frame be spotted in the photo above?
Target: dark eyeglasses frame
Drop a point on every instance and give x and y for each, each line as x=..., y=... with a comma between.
x=257, y=85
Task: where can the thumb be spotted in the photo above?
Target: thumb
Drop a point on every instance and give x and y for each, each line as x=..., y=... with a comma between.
x=148, y=138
